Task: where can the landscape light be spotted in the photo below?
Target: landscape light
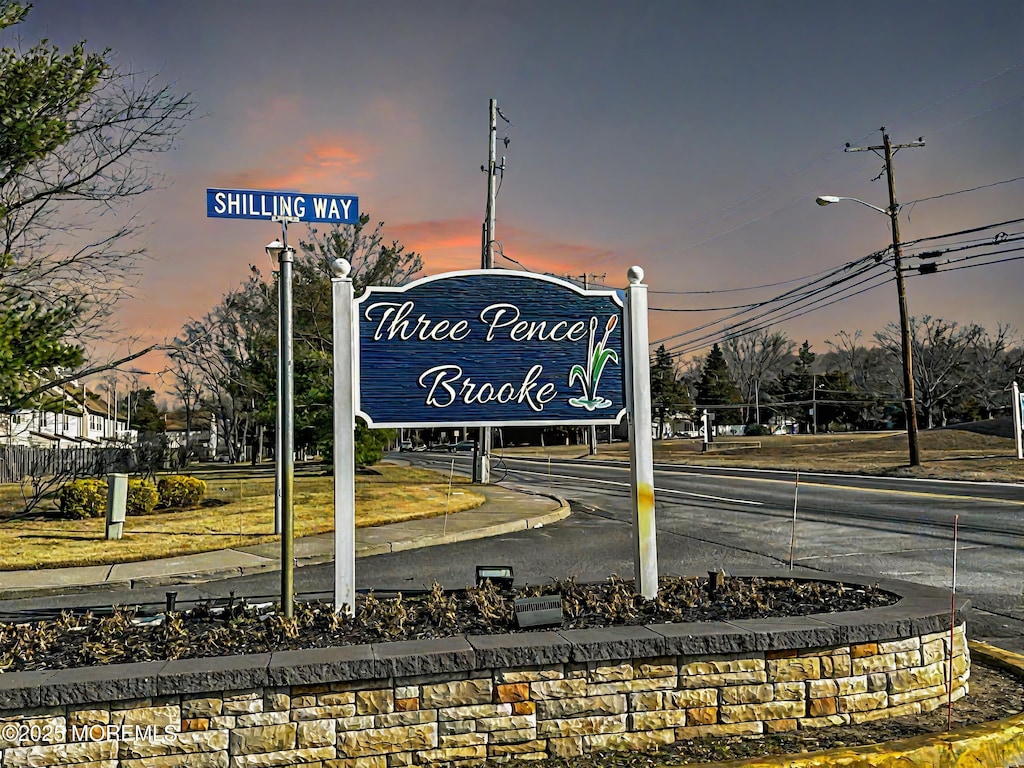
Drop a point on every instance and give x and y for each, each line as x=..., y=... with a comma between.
x=499, y=575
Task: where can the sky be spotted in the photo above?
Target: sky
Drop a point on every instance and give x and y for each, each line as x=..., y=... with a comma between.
x=690, y=138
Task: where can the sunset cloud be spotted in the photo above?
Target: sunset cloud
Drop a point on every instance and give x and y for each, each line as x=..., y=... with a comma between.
x=453, y=244
x=317, y=162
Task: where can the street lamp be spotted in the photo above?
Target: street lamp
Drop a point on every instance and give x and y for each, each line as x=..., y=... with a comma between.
x=829, y=199
x=909, y=407
x=285, y=458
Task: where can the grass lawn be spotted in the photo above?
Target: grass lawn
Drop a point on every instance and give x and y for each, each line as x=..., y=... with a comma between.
x=950, y=454
x=239, y=511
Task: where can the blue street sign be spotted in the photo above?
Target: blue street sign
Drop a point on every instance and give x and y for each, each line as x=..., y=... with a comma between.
x=490, y=348
x=264, y=204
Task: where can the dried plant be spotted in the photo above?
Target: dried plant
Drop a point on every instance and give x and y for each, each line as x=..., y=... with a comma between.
x=86, y=639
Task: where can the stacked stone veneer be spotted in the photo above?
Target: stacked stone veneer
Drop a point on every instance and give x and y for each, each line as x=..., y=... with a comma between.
x=468, y=700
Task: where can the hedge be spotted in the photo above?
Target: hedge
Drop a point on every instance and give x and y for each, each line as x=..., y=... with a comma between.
x=81, y=499
x=180, y=491
x=142, y=497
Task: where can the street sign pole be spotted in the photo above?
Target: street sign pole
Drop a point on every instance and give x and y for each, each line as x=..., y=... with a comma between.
x=641, y=447
x=285, y=460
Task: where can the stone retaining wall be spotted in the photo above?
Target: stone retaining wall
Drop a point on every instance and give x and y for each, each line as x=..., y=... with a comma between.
x=467, y=700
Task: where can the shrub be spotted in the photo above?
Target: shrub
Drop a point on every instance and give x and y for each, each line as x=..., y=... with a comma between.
x=180, y=491
x=142, y=497
x=756, y=430
x=80, y=499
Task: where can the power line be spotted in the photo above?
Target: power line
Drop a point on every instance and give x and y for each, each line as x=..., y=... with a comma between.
x=703, y=342
x=737, y=290
x=963, y=191
x=795, y=292
x=938, y=267
x=961, y=232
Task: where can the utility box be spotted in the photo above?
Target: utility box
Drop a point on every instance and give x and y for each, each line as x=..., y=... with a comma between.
x=117, y=501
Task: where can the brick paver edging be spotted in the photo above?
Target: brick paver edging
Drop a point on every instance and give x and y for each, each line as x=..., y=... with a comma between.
x=558, y=693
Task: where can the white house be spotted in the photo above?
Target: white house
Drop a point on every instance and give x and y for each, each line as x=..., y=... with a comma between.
x=66, y=417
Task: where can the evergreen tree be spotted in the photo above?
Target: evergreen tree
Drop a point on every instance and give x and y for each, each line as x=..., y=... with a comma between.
x=668, y=393
x=145, y=415
x=716, y=387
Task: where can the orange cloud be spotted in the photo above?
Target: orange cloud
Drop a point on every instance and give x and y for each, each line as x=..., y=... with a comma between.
x=453, y=244
x=314, y=162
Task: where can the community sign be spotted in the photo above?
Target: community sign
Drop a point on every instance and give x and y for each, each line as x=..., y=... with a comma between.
x=490, y=348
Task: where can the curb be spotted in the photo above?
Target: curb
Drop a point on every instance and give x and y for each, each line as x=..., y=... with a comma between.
x=994, y=744
x=199, y=577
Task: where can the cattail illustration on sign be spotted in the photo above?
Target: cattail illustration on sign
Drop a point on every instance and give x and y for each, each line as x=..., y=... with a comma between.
x=598, y=357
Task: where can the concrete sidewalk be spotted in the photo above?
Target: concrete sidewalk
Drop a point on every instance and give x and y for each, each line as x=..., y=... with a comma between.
x=504, y=511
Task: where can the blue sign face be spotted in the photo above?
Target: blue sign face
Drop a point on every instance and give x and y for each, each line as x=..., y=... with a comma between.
x=490, y=348
x=256, y=204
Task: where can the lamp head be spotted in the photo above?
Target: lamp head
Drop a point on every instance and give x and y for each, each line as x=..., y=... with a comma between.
x=826, y=199
x=275, y=249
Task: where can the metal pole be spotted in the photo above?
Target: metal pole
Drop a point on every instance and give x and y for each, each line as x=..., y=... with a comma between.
x=278, y=427
x=909, y=406
x=286, y=410
x=641, y=448
x=344, y=441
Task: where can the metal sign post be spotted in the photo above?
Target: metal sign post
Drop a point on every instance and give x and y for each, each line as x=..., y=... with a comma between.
x=641, y=445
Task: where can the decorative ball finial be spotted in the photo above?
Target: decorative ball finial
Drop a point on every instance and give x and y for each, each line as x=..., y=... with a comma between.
x=340, y=268
x=635, y=275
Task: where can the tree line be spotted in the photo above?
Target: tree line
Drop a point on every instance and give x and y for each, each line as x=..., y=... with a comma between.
x=961, y=373
x=225, y=363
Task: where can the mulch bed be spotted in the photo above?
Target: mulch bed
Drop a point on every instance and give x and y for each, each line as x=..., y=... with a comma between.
x=208, y=630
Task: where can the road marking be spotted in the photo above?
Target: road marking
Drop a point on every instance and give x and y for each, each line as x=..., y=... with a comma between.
x=891, y=491
x=890, y=552
x=671, y=491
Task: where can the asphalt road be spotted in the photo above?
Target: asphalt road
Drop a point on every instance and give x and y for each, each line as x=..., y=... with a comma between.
x=712, y=517
x=709, y=518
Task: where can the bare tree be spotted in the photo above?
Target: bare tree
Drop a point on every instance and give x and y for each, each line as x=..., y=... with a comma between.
x=939, y=351
x=225, y=344
x=991, y=368
x=756, y=359
x=189, y=385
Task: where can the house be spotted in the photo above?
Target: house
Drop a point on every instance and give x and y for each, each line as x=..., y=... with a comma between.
x=202, y=437
x=67, y=416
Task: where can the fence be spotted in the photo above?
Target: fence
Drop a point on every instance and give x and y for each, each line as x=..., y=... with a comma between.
x=18, y=462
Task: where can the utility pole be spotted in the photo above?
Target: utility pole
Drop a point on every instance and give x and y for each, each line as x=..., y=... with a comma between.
x=482, y=454
x=909, y=403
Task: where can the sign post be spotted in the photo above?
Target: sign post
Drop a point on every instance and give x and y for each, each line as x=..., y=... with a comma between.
x=344, y=441
x=1018, y=417
x=641, y=446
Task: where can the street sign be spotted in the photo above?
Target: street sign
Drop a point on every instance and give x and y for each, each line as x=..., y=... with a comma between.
x=267, y=205
x=490, y=348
